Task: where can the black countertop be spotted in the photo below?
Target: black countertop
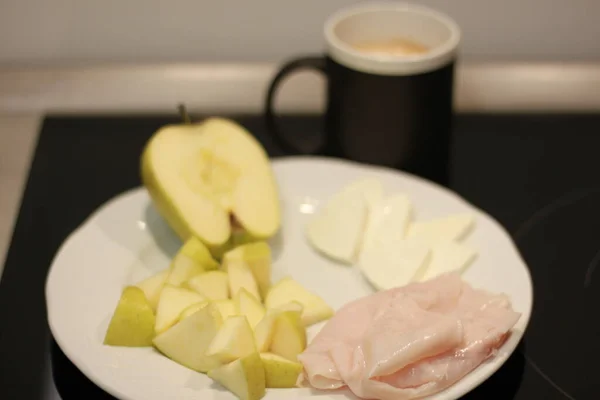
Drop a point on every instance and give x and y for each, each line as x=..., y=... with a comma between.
x=520, y=169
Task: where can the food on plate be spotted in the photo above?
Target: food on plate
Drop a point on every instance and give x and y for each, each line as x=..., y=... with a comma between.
x=132, y=324
x=213, y=285
x=388, y=221
x=192, y=309
x=173, y=301
x=287, y=290
x=247, y=305
x=234, y=340
x=186, y=342
x=211, y=318
x=388, y=264
x=192, y=259
x=244, y=377
x=451, y=228
x=359, y=225
x=280, y=372
x=289, y=335
x=257, y=256
x=239, y=276
x=199, y=175
x=263, y=332
x=226, y=308
x=152, y=287
x=447, y=257
x=408, y=342
x=336, y=230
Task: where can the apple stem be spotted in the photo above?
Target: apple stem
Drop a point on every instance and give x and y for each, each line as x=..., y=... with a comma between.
x=185, y=117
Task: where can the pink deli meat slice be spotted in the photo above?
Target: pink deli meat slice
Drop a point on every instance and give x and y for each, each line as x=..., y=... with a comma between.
x=409, y=342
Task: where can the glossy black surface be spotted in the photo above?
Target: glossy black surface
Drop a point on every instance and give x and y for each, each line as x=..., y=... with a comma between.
x=538, y=175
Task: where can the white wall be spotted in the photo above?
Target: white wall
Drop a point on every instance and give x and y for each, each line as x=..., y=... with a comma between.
x=57, y=31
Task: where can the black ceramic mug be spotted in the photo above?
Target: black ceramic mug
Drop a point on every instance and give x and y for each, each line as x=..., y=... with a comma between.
x=390, y=73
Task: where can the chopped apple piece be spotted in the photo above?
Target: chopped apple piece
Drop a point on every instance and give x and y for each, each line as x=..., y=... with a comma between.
x=244, y=377
x=192, y=259
x=280, y=372
x=212, y=285
x=234, y=340
x=387, y=265
x=186, y=342
x=451, y=228
x=132, y=324
x=291, y=306
x=247, y=305
x=152, y=287
x=263, y=332
x=257, y=256
x=287, y=290
x=226, y=308
x=192, y=309
x=199, y=174
x=172, y=302
x=289, y=335
x=239, y=276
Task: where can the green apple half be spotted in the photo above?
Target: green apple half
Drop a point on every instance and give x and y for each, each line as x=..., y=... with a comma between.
x=200, y=175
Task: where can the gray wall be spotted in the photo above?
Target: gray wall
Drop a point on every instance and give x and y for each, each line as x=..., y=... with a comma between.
x=58, y=31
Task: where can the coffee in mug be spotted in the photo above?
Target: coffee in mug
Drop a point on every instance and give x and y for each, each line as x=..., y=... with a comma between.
x=392, y=47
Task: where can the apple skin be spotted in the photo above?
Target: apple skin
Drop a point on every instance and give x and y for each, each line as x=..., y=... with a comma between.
x=254, y=189
x=161, y=199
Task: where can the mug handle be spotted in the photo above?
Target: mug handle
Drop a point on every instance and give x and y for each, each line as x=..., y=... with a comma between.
x=313, y=62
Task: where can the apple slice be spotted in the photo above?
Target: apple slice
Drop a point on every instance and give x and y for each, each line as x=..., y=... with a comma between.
x=234, y=340
x=448, y=257
x=239, y=276
x=212, y=285
x=152, y=287
x=336, y=231
x=451, y=228
x=257, y=256
x=186, y=342
x=287, y=290
x=289, y=335
x=263, y=331
x=280, y=372
x=192, y=259
x=244, y=377
x=199, y=174
x=192, y=309
x=132, y=324
x=172, y=302
x=246, y=304
x=291, y=306
x=387, y=265
x=226, y=308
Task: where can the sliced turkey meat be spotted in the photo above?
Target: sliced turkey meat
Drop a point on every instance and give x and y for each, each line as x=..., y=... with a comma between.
x=408, y=342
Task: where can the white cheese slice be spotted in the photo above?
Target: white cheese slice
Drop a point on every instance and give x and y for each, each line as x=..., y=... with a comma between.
x=370, y=188
x=388, y=221
x=386, y=264
x=451, y=228
x=448, y=257
x=336, y=231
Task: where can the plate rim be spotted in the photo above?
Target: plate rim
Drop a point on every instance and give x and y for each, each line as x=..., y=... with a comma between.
x=88, y=372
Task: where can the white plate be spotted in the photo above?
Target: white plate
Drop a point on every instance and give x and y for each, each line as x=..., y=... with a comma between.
x=126, y=241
